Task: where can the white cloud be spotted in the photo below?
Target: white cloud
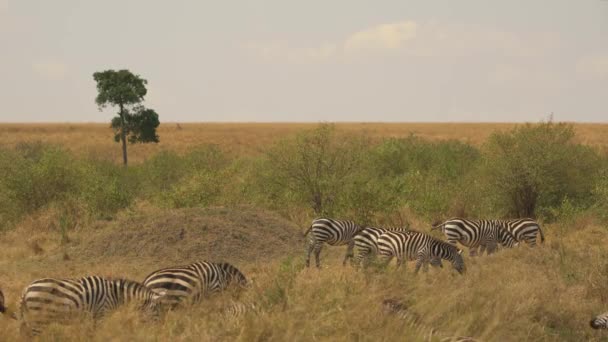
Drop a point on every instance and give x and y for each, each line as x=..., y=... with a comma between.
x=386, y=36
x=593, y=66
x=417, y=39
x=378, y=38
x=50, y=69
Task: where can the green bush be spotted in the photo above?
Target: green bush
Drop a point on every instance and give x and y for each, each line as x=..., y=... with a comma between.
x=311, y=170
x=34, y=176
x=432, y=178
x=533, y=168
x=106, y=188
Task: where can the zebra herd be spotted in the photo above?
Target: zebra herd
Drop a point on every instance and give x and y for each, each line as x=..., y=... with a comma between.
x=49, y=300
x=402, y=243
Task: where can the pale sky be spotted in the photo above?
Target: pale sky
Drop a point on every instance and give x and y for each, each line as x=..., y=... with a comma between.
x=280, y=60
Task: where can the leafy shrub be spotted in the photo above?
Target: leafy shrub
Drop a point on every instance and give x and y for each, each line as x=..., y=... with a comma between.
x=312, y=169
x=536, y=167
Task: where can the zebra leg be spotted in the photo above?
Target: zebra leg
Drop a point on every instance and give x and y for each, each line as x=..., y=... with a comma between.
x=309, y=248
x=318, y=248
x=349, y=252
x=491, y=247
x=473, y=251
x=419, y=263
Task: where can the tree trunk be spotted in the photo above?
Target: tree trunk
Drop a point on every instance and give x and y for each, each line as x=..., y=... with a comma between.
x=123, y=135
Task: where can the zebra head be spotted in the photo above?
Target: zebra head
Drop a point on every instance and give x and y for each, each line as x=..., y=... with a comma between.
x=600, y=322
x=451, y=253
x=2, y=307
x=458, y=262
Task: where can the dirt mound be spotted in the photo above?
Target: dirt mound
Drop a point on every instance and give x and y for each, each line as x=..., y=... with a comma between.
x=184, y=235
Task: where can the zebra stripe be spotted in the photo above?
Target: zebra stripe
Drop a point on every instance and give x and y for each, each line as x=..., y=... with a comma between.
x=524, y=230
x=600, y=321
x=485, y=234
x=237, y=310
x=421, y=247
x=191, y=282
x=50, y=300
x=332, y=232
x=2, y=307
x=366, y=242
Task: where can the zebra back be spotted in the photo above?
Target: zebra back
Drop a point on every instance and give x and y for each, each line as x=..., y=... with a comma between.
x=192, y=282
x=50, y=300
x=473, y=233
x=366, y=240
x=333, y=232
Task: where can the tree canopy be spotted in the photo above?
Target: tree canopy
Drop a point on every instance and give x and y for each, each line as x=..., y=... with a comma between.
x=126, y=90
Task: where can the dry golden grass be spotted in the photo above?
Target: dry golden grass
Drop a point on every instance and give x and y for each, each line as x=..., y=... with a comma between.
x=249, y=138
x=543, y=294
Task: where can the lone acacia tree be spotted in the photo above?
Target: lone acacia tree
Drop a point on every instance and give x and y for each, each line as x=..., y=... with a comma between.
x=123, y=89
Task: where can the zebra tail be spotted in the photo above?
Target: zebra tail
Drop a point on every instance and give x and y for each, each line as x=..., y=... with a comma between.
x=307, y=230
x=437, y=225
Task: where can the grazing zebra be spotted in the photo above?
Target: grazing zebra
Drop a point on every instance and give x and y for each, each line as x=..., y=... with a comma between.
x=486, y=234
x=600, y=322
x=366, y=242
x=50, y=300
x=191, y=282
x=395, y=307
x=2, y=307
x=332, y=232
x=421, y=247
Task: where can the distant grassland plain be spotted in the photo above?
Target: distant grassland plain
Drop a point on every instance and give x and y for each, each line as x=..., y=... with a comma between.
x=96, y=139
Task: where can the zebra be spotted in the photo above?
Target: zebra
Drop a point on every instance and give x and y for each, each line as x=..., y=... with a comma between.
x=332, y=232
x=393, y=306
x=421, y=247
x=600, y=322
x=485, y=234
x=194, y=281
x=524, y=230
x=2, y=307
x=49, y=300
x=366, y=242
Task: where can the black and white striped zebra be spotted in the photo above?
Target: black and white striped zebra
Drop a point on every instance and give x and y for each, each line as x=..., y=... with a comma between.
x=366, y=242
x=421, y=247
x=194, y=281
x=600, y=321
x=50, y=300
x=524, y=230
x=485, y=234
x=332, y=232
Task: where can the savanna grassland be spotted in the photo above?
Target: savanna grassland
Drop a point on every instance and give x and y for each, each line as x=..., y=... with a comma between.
x=245, y=193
